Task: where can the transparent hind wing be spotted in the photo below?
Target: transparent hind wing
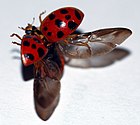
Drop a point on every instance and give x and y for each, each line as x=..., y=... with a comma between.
x=46, y=88
x=93, y=43
x=114, y=56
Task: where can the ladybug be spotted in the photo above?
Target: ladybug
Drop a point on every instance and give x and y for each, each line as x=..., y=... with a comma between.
x=52, y=45
x=61, y=23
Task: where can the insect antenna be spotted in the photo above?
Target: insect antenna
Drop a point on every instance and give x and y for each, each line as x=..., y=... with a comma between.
x=22, y=28
x=33, y=21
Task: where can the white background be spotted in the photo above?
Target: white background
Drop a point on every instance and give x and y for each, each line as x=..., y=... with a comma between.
x=96, y=96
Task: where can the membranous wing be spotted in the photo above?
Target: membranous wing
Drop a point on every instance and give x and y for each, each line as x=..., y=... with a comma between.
x=99, y=61
x=48, y=73
x=93, y=43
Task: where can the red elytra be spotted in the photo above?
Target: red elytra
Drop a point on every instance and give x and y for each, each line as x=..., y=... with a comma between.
x=61, y=23
x=32, y=49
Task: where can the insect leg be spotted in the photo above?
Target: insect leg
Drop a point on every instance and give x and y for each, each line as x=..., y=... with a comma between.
x=14, y=34
x=80, y=44
x=40, y=18
x=16, y=43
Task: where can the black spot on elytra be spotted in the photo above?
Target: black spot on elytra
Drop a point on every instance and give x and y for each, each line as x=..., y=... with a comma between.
x=63, y=11
x=72, y=25
x=45, y=28
x=33, y=46
x=40, y=52
x=59, y=23
x=29, y=56
x=67, y=17
x=60, y=34
x=26, y=43
x=77, y=14
x=49, y=33
x=36, y=40
x=51, y=16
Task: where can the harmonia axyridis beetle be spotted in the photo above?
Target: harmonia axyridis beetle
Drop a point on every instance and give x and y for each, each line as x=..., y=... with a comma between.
x=48, y=46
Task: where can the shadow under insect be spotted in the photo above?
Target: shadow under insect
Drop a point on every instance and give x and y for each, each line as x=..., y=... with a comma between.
x=117, y=54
